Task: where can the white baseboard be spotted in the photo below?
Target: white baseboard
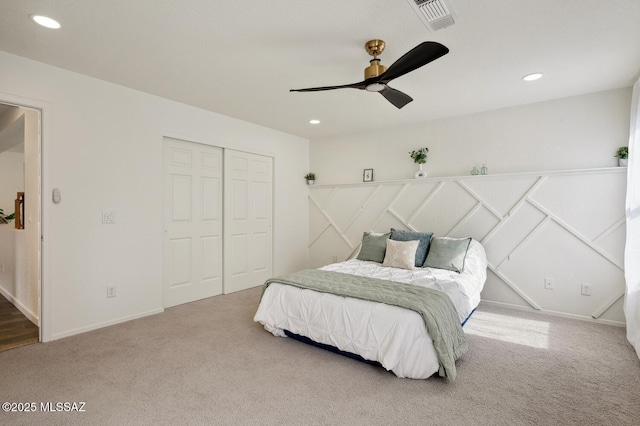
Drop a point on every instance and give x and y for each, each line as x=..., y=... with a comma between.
x=80, y=330
x=557, y=314
x=33, y=317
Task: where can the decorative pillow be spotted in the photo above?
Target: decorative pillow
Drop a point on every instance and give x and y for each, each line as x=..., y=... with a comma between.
x=373, y=247
x=447, y=253
x=401, y=254
x=423, y=237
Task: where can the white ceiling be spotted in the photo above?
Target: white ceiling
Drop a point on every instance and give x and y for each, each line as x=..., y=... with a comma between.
x=240, y=58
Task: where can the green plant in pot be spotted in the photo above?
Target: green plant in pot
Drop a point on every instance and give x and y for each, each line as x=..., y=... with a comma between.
x=310, y=177
x=420, y=157
x=622, y=155
x=6, y=219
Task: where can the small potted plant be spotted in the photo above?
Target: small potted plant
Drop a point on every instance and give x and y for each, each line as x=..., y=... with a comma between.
x=420, y=157
x=6, y=219
x=310, y=177
x=622, y=154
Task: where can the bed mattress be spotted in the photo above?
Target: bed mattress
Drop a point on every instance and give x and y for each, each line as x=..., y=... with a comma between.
x=392, y=336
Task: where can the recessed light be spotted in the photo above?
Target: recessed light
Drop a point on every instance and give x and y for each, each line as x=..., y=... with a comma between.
x=45, y=21
x=532, y=77
x=314, y=121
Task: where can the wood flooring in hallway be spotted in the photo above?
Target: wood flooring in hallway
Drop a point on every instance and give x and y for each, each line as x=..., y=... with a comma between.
x=15, y=329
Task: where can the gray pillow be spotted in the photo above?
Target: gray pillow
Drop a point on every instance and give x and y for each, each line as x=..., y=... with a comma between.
x=423, y=246
x=373, y=247
x=447, y=253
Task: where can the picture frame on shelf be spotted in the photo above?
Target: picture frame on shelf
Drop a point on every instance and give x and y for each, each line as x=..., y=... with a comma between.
x=367, y=175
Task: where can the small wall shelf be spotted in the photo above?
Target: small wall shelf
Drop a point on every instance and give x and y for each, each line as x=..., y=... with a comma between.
x=489, y=176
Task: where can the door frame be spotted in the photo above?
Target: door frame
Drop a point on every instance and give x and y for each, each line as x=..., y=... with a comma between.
x=44, y=110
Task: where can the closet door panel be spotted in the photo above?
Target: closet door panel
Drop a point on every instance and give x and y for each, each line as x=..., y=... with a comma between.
x=248, y=212
x=193, y=221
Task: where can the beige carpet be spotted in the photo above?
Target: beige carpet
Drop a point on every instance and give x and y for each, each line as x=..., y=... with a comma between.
x=208, y=363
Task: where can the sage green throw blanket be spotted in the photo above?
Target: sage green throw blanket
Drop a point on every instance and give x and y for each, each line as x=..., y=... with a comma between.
x=435, y=307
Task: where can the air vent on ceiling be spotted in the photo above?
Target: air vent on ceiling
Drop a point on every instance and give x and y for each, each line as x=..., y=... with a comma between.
x=435, y=14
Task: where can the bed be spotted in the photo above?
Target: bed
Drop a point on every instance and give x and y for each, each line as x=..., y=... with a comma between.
x=395, y=337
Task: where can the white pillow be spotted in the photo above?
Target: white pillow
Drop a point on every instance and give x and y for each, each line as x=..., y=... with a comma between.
x=401, y=254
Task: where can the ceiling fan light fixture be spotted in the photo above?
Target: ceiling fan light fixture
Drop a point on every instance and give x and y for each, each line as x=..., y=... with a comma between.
x=375, y=87
x=422, y=54
x=532, y=77
x=45, y=21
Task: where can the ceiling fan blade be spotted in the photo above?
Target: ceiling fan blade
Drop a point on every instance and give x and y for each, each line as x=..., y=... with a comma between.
x=396, y=97
x=360, y=85
x=420, y=55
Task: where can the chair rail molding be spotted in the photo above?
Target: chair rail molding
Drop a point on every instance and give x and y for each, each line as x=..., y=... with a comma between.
x=567, y=226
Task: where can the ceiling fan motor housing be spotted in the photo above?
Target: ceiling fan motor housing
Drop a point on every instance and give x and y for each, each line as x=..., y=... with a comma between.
x=375, y=69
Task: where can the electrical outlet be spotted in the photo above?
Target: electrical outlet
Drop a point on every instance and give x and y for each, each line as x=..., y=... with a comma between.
x=2, y=268
x=111, y=291
x=585, y=289
x=334, y=259
x=548, y=283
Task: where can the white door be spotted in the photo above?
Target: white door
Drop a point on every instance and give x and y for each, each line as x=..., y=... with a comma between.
x=193, y=221
x=248, y=220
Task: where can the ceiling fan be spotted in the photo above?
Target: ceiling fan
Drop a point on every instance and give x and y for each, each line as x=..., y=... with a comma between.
x=377, y=76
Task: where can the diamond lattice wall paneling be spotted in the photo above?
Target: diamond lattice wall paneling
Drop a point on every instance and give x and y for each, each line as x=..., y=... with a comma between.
x=609, y=241
x=346, y=203
x=570, y=197
x=555, y=253
x=501, y=193
x=477, y=224
x=444, y=209
x=567, y=226
x=325, y=240
x=510, y=232
x=498, y=290
x=329, y=248
x=318, y=222
x=615, y=312
x=411, y=197
x=369, y=217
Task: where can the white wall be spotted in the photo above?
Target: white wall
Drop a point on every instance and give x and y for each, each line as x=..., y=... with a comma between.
x=571, y=133
x=11, y=179
x=581, y=132
x=12, y=129
x=102, y=146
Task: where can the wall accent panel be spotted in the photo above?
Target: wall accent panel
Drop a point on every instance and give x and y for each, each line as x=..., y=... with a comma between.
x=567, y=225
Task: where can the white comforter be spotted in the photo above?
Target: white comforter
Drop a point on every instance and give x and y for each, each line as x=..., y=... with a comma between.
x=393, y=336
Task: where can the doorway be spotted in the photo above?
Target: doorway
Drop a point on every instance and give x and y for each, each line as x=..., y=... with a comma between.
x=20, y=225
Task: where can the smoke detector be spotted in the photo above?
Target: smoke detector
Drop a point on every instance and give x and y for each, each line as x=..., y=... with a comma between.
x=434, y=14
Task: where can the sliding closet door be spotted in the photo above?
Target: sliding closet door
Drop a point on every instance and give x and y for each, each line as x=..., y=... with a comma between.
x=248, y=237
x=193, y=221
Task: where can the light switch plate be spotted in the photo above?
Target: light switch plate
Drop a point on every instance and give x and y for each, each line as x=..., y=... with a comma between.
x=55, y=196
x=109, y=218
